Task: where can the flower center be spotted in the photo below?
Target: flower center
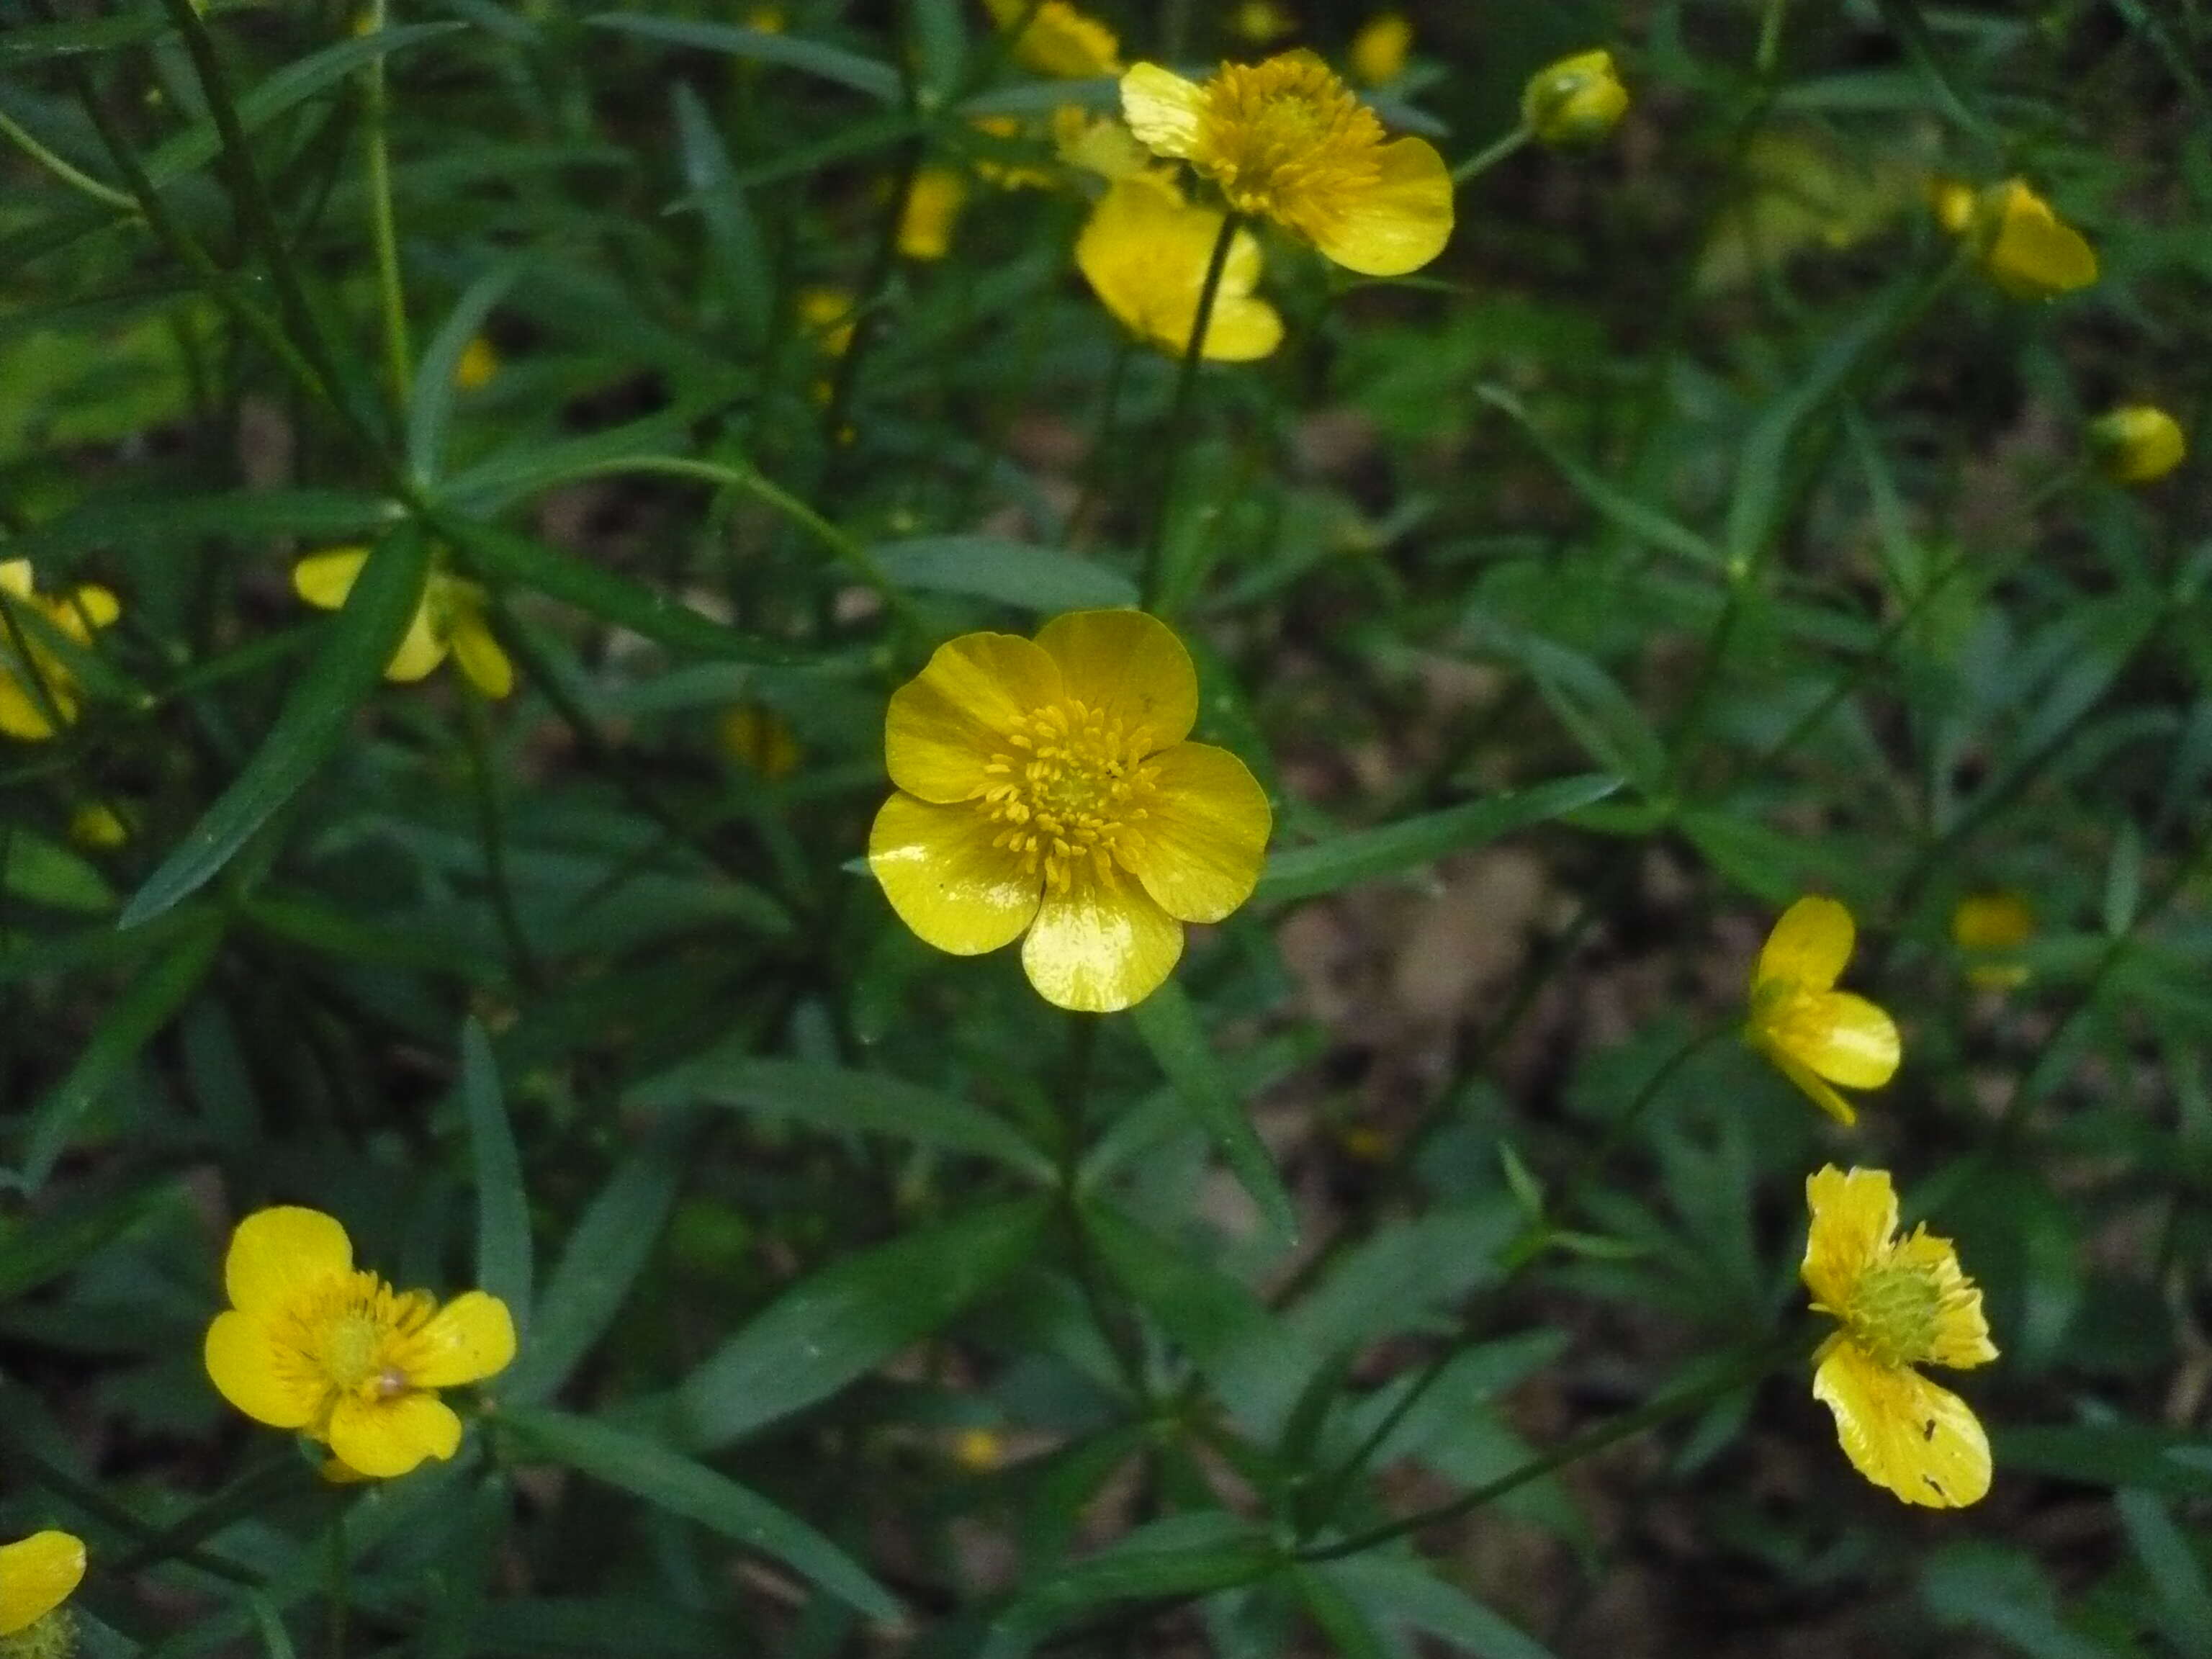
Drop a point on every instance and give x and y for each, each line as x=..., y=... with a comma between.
x=1287, y=137
x=1068, y=783
x=352, y=1348
x=1893, y=1312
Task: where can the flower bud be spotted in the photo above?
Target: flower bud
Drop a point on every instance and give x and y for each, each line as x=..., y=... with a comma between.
x=1576, y=101
x=2138, y=444
x=1379, y=50
x=2025, y=247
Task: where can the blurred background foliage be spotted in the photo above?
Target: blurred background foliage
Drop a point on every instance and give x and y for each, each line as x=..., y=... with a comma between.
x=1701, y=530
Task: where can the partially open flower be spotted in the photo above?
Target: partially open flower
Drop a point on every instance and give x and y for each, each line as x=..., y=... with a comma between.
x=2021, y=243
x=1901, y=1303
x=1817, y=1035
x=1058, y=40
x=449, y=619
x=310, y=1343
x=38, y=693
x=1287, y=140
x=2138, y=444
x=1144, y=251
x=1576, y=101
x=1046, y=793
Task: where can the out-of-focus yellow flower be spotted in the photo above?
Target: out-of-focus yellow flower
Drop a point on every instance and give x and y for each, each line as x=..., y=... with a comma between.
x=932, y=208
x=1952, y=202
x=979, y=1450
x=1262, y=21
x=829, y=314
x=766, y=19
x=479, y=361
x=1901, y=1303
x=1817, y=1035
x=1145, y=250
x=1989, y=930
x=1012, y=175
x=1046, y=792
x=1576, y=101
x=1381, y=48
x=2138, y=444
x=758, y=737
x=1097, y=144
x=2021, y=244
x=37, y=1575
x=310, y=1343
x=450, y=618
x=1058, y=40
x=98, y=828
x=36, y=690
x=1287, y=140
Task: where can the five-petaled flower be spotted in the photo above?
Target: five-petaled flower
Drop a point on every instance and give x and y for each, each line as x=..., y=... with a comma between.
x=313, y=1344
x=2137, y=443
x=1901, y=1303
x=1145, y=252
x=1287, y=140
x=1817, y=1035
x=1045, y=789
x=449, y=618
x=37, y=691
x=37, y=1575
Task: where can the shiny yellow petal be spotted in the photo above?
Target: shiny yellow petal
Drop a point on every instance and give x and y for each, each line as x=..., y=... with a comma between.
x=21, y=714
x=1129, y=665
x=1903, y=1432
x=2035, y=254
x=1854, y=1218
x=421, y=650
x=276, y=1253
x=1162, y=108
x=1145, y=252
x=945, y=879
x=945, y=724
x=269, y=1380
x=1821, y=1094
x=469, y=1338
x=1199, y=848
x=325, y=578
x=1399, y=224
x=382, y=1438
x=1099, y=948
x=37, y=1575
x=1242, y=330
x=1847, y=1040
x=481, y=657
x=1809, y=945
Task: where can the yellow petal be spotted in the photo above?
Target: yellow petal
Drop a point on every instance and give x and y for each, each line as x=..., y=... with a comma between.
x=422, y=650
x=945, y=724
x=1903, y=1432
x=1399, y=224
x=87, y=608
x=1242, y=330
x=1131, y=665
x=932, y=208
x=479, y=653
x=15, y=577
x=37, y=1575
x=1820, y=1093
x=1097, y=949
x=469, y=1338
x=1854, y=1218
x=945, y=879
x=1162, y=109
x=2035, y=254
x=1845, y=1039
x=270, y=1381
x=1809, y=945
x=21, y=715
x=325, y=578
x=1961, y=1339
x=1145, y=252
x=382, y=1438
x=276, y=1253
x=1200, y=846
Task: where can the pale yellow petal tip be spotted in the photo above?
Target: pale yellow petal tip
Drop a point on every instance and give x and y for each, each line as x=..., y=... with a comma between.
x=1578, y=100
x=2137, y=445
x=37, y=1575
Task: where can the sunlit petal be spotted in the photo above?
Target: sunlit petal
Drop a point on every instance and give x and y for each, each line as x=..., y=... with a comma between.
x=1854, y=1219
x=37, y=1575
x=1903, y=1432
x=1199, y=848
x=1098, y=947
x=945, y=724
x=278, y=1252
x=1162, y=108
x=947, y=881
x=259, y=1374
x=383, y=1438
x=1400, y=224
x=1129, y=665
x=1809, y=945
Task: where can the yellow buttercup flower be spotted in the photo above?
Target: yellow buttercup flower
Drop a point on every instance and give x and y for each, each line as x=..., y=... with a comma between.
x=36, y=692
x=37, y=1575
x=478, y=365
x=2138, y=444
x=932, y=208
x=1576, y=100
x=1989, y=929
x=1817, y=1035
x=1901, y=1303
x=311, y=1343
x=450, y=618
x=1287, y=140
x=1144, y=251
x=2022, y=244
x=759, y=739
x=1058, y=40
x=1379, y=50
x=1045, y=789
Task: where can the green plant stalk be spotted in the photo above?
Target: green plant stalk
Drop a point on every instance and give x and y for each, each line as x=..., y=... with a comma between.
x=252, y=1491
x=1482, y=160
x=491, y=831
x=97, y=1504
x=107, y=195
x=1178, y=427
x=398, y=360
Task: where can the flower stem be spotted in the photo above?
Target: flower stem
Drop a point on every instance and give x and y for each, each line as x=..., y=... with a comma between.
x=1482, y=160
x=62, y=170
x=1179, y=411
x=398, y=361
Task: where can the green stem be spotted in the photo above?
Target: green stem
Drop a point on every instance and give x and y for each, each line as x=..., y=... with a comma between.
x=398, y=360
x=491, y=830
x=1482, y=160
x=249, y=1493
x=104, y=194
x=95, y=1502
x=1179, y=411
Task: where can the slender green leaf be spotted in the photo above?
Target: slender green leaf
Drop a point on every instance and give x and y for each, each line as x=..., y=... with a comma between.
x=1349, y=1627
x=536, y=463
x=1008, y=571
x=2183, y=1595
x=430, y=399
x=1624, y=512
x=733, y=234
x=847, y=68
x=45, y=873
x=1180, y=1557
x=503, y=1203
x=32, y=43
x=682, y=1486
x=359, y=642
x=851, y=1315
x=40, y=1247
x=1366, y=854
x=1170, y=1028
x=1403, y=1592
